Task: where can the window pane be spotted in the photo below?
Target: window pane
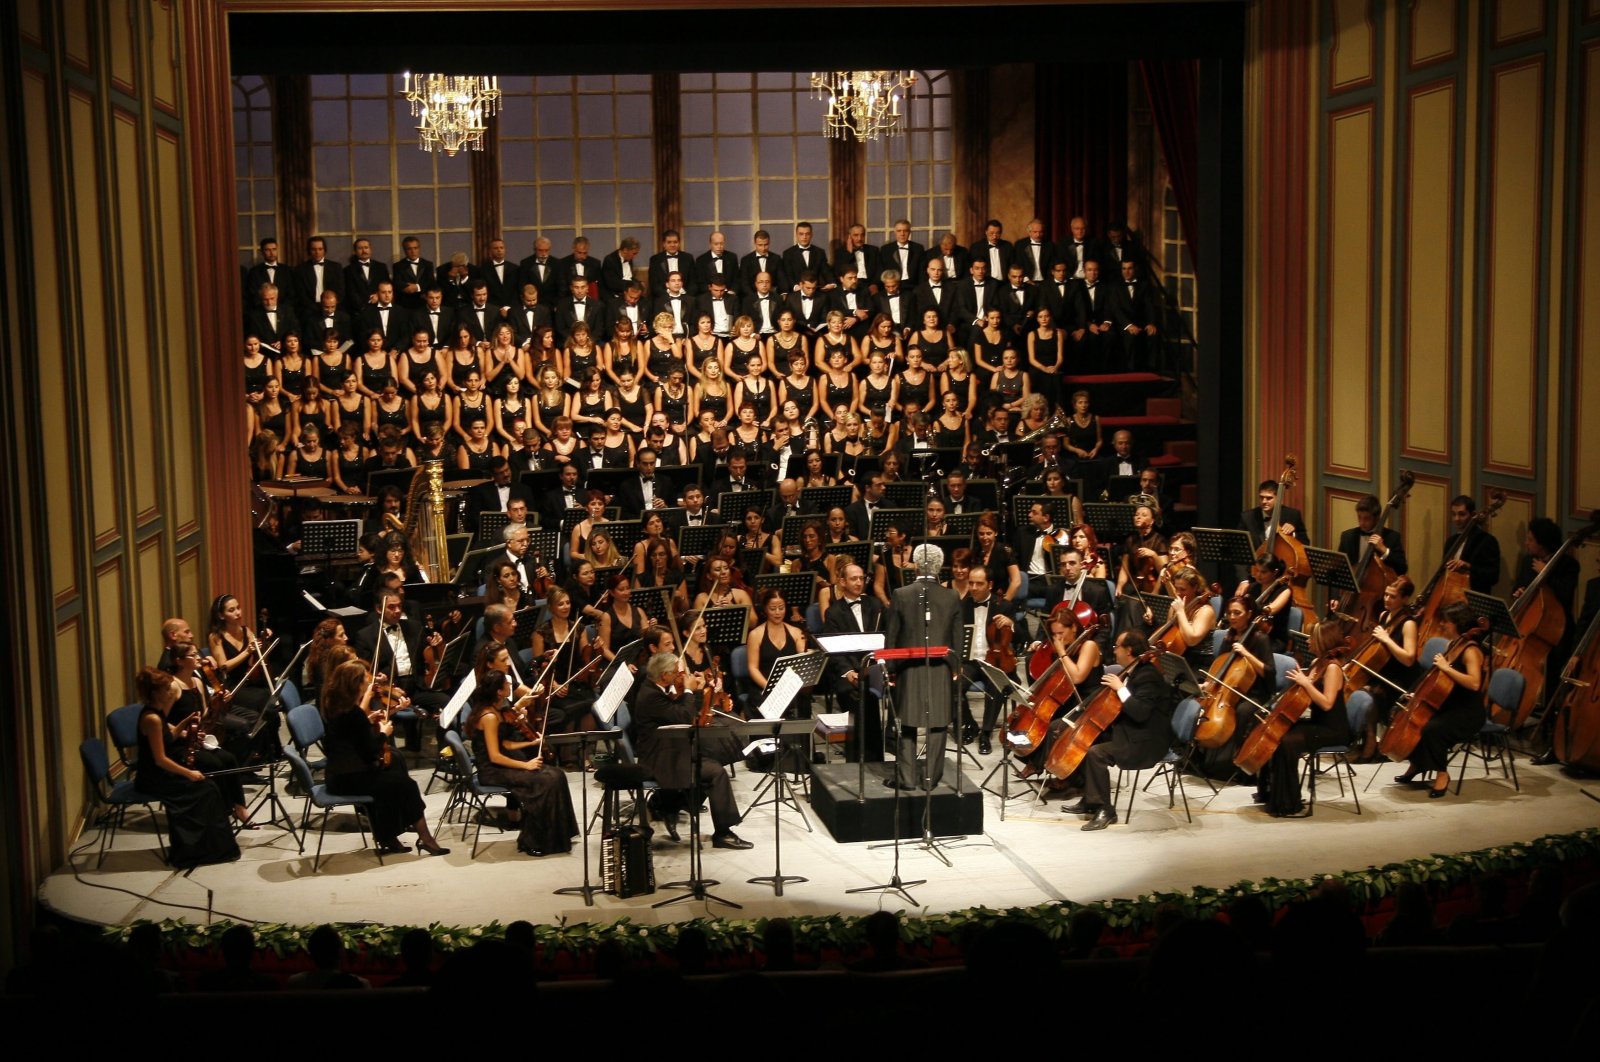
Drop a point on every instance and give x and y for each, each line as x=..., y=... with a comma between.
x=633, y=115
x=734, y=158
x=696, y=113
x=595, y=160
x=733, y=113
x=556, y=206
x=555, y=116
x=369, y=120
x=555, y=160
x=329, y=120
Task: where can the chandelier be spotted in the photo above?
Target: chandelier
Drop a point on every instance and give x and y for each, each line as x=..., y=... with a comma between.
x=450, y=109
x=864, y=103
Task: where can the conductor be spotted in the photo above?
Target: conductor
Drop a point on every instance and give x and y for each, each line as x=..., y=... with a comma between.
x=922, y=615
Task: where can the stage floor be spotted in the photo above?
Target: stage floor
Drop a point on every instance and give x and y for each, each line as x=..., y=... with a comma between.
x=1036, y=855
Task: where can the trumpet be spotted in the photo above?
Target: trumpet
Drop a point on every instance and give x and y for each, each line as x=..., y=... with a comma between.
x=1056, y=423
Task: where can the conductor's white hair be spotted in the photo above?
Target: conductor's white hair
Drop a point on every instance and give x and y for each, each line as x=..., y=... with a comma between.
x=929, y=559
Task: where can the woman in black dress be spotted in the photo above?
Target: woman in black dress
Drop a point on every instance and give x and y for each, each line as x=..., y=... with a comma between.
x=349, y=461
x=1403, y=669
x=197, y=812
x=506, y=751
x=673, y=398
x=950, y=428
x=472, y=407
x=916, y=385
x=774, y=638
x=272, y=412
x=633, y=402
x=202, y=691
x=1463, y=713
x=310, y=408
x=292, y=366
x=331, y=365
x=1326, y=725
x=620, y=622
x=418, y=358
x=374, y=364
x=354, y=744
x=429, y=406
x=757, y=392
x=462, y=359
x=933, y=340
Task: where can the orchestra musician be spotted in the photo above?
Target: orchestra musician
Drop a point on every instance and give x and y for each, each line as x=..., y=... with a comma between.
x=1139, y=737
x=1403, y=669
x=1255, y=647
x=1481, y=556
x=235, y=652
x=1255, y=521
x=923, y=614
x=661, y=702
x=1084, y=669
x=1540, y=544
x=1463, y=713
x=197, y=810
x=982, y=609
x=1326, y=723
x=854, y=611
x=394, y=643
x=193, y=704
x=1144, y=547
x=1385, y=542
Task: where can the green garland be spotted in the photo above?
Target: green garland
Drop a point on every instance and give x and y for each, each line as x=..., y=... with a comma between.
x=841, y=933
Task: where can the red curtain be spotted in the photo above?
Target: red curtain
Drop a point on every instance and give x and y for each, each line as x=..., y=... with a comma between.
x=1080, y=156
x=1173, y=88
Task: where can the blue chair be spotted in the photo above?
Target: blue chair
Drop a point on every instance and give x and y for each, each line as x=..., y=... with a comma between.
x=1283, y=664
x=814, y=618
x=1492, y=742
x=1217, y=637
x=1169, y=766
x=123, y=726
x=306, y=729
x=739, y=665
x=1297, y=618
x=289, y=694
x=469, y=796
x=115, y=798
x=1357, y=707
x=319, y=796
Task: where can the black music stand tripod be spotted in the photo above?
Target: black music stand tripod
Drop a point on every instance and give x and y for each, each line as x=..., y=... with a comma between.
x=582, y=739
x=894, y=884
x=695, y=883
x=777, y=729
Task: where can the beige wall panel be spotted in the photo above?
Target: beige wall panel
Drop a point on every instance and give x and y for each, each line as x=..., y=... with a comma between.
x=98, y=363
x=1433, y=31
x=1429, y=253
x=1351, y=61
x=1514, y=19
x=1424, y=525
x=63, y=774
x=1586, y=392
x=1514, y=189
x=1347, y=442
x=42, y=204
x=75, y=29
x=1338, y=513
x=1510, y=527
x=164, y=54
x=116, y=665
x=177, y=387
x=150, y=599
x=1011, y=114
x=29, y=21
x=120, y=31
x=191, y=595
x=132, y=255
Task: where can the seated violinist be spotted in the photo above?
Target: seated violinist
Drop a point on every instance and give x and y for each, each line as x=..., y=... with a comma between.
x=1079, y=660
x=506, y=748
x=394, y=644
x=993, y=622
x=663, y=702
x=572, y=687
x=1139, y=736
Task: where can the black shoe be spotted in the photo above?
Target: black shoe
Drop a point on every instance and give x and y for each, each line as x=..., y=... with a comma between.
x=393, y=847
x=729, y=840
x=1102, y=818
x=670, y=824
x=969, y=733
x=435, y=849
x=895, y=783
x=984, y=747
x=1435, y=794
x=1408, y=778
x=1545, y=758
x=1080, y=808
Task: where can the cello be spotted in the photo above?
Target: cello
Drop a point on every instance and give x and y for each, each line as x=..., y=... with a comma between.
x=1096, y=718
x=1231, y=675
x=1429, y=695
x=1448, y=586
x=1052, y=687
x=1277, y=720
x=1541, y=621
x=1284, y=545
x=1577, y=704
x=1372, y=574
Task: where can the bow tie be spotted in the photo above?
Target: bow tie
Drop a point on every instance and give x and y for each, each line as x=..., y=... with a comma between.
x=647, y=479
x=391, y=627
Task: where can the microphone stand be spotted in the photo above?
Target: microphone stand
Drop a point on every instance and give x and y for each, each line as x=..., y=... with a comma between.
x=894, y=884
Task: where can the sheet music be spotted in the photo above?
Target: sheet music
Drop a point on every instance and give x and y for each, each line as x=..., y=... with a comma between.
x=781, y=694
x=865, y=642
x=605, y=708
x=457, y=699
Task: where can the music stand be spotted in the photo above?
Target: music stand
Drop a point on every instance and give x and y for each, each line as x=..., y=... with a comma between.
x=624, y=534
x=1122, y=486
x=1058, y=505
x=1223, y=546
x=614, y=684
x=1007, y=687
x=527, y=620
x=775, y=730
x=913, y=522
x=751, y=561
x=793, y=525
x=681, y=476
x=949, y=544
x=799, y=589
x=962, y=525
x=905, y=494
x=696, y=883
x=1332, y=569
x=1179, y=674
x=1160, y=606
x=329, y=538
x=821, y=499
x=894, y=884
x=544, y=545
x=1500, y=622
x=542, y=482
x=491, y=523
x=858, y=551
x=1300, y=648
x=698, y=541
x=652, y=601
x=725, y=625
x=399, y=478
x=984, y=494
x=582, y=739
x=607, y=479
x=733, y=504
x=572, y=518
x=853, y=645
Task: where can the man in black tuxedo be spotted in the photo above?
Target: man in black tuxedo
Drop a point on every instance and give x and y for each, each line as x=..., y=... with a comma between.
x=497, y=494
x=435, y=318
x=865, y=258
x=1058, y=294
x=392, y=643
x=630, y=304
x=480, y=315
x=267, y=271
x=648, y=490
x=924, y=614
x=672, y=258
x=1035, y=254
x=859, y=513
x=579, y=307
x=1123, y=459
x=763, y=259
x=852, y=299
x=676, y=300
x=736, y=478
x=955, y=496
x=529, y=315
x=903, y=254
x=1139, y=738
x=980, y=607
x=717, y=261
x=719, y=304
x=993, y=250
x=270, y=321
x=953, y=258
x=539, y=269
x=1018, y=305
x=763, y=304
x=413, y=274
x=670, y=760
x=786, y=505
x=1076, y=586
x=897, y=303
x=808, y=304
x=1385, y=543
x=935, y=293
x=577, y=266
x=1077, y=251
x=1094, y=326
x=501, y=275
x=455, y=280
x=388, y=317
x=329, y=317
x=1032, y=556
x=618, y=269
x=566, y=495
x=1481, y=554
x=362, y=275
x=318, y=273
x=1137, y=313
x=1255, y=520
x=1117, y=247
x=975, y=296
x=855, y=611
x=806, y=257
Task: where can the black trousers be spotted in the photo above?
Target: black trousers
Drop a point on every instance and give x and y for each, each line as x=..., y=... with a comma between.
x=992, y=704
x=905, y=767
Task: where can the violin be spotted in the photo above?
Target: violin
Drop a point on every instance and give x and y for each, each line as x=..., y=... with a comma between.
x=433, y=654
x=1425, y=700
x=542, y=582
x=1095, y=718
x=1231, y=676
x=1000, y=654
x=388, y=699
x=715, y=698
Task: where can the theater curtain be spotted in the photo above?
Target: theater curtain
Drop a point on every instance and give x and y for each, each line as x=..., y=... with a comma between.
x=1173, y=88
x=1080, y=155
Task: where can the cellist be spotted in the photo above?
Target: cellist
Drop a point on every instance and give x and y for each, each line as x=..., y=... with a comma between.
x=1241, y=636
x=1326, y=724
x=1084, y=669
x=1401, y=670
x=1462, y=714
x=1144, y=556
x=1541, y=542
x=1265, y=573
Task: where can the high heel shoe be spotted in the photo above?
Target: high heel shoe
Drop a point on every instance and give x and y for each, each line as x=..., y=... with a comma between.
x=1439, y=791
x=1406, y=778
x=434, y=849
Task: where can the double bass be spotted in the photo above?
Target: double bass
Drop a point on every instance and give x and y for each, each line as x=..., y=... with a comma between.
x=1372, y=574
x=1447, y=587
x=1576, y=704
x=1541, y=621
x=1427, y=697
x=1284, y=545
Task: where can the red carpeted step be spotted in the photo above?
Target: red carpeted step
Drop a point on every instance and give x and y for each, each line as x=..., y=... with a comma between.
x=1187, y=451
x=1189, y=494
x=1163, y=461
x=1113, y=423
x=1115, y=378
x=1163, y=407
